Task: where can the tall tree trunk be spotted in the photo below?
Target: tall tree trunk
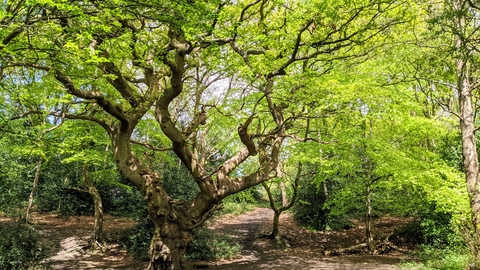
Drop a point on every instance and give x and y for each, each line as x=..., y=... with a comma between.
x=369, y=181
x=97, y=239
x=467, y=126
x=34, y=189
x=368, y=219
x=470, y=161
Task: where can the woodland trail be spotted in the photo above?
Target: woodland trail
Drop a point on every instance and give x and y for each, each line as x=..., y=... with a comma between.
x=305, y=251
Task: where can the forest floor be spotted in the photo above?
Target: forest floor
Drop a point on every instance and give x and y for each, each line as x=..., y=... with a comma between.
x=304, y=249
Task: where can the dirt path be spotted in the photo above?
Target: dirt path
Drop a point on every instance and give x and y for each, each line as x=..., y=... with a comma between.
x=68, y=238
x=306, y=247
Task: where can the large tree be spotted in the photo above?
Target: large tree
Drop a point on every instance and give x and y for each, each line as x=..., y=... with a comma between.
x=196, y=68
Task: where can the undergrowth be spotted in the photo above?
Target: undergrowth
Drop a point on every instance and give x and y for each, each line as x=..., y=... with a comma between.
x=439, y=245
x=237, y=208
x=20, y=247
x=210, y=246
x=241, y=202
x=439, y=258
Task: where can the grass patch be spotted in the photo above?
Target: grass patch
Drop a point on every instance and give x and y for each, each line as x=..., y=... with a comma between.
x=429, y=258
x=235, y=208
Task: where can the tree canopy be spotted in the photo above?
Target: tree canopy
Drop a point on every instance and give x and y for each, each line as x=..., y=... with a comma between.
x=232, y=90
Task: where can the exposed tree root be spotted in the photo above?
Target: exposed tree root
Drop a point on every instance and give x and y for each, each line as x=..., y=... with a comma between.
x=280, y=240
x=95, y=244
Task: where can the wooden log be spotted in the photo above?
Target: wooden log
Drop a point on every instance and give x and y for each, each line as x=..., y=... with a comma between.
x=351, y=249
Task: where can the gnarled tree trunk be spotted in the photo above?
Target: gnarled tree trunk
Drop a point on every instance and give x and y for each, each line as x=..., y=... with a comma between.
x=172, y=233
x=168, y=246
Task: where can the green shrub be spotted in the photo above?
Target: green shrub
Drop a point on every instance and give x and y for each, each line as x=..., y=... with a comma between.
x=437, y=230
x=121, y=201
x=430, y=257
x=410, y=233
x=241, y=202
x=20, y=247
x=178, y=182
x=439, y=247
x=432, y=228
x=340, y=224
x=309, y=208
x=136, y=240
x=236, y=208
x=207, y=245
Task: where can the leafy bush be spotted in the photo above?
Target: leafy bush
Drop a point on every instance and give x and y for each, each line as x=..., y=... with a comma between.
x=136, y=240
x=309, y=209
x=340, y=224
x=20, y=247
x=410, y=233
x=118, y=198
x=439, y=258
x=16, y=181
x=241, y=202
x=236, y=208
x=431, y=228
x=437, y=230
x=122, y=200
x=209, y=246
x=178, y=182
x=439, y=246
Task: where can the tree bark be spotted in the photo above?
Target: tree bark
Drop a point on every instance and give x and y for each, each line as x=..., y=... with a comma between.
x=283, y=192
x=467, y=127
x=97, y=240
x=368, y=219
x=172, y=230
x=168, y=246
x=276, y=218
x=34, y=189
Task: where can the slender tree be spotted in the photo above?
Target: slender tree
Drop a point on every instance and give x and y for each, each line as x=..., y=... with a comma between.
x=462, y=10
x=286, y=203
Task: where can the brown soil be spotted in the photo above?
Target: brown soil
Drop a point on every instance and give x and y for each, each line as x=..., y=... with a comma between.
x=303, y=250
x=68, y=238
